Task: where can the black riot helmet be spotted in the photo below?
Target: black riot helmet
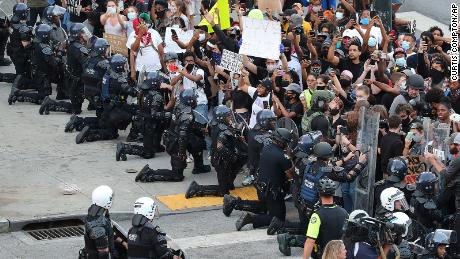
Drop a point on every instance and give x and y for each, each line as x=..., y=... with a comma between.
x=42, y=33
x=170, y=56
x=77, y=30
x=118, y=63
x=21, y=11
x=323, y=150
x=266, y=119
x=152, y=81
x=306, y=144
x=397, y=169
x=47, y=13
x=222, y=112
x=99, y=47
x=282, y=135
x=188, y=97
x=25, y=33
x=327, y=187
x=440, y=237
x=426, y=183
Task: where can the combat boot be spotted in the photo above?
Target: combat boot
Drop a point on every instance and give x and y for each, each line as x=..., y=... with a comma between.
x=44, y=107
x=229, y=203
x=72, y=124
x=7, y=77
x=283, y=243
x=275, y=225
x=83, y=135
x=246, y=218
x=141, y=175
x=120, y=154
x=13, y=97
x=193, y=190
x=201, y=169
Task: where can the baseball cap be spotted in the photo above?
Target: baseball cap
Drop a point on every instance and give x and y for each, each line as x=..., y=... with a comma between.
x=296, y=20
x=316, y=62
x=266, y=83
x=298, y=5
x=408, y=72
x=347, y=73
x=340, y=52
x=288, y=12
x=399, y=51
x=416, y=81
x=294, y=87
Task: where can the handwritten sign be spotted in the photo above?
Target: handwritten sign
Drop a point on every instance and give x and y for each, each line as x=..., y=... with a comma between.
x=415, y=167
x=231, y=61
x=117, y=44
x=184, y=36
x=273, y=5
x=261, y=38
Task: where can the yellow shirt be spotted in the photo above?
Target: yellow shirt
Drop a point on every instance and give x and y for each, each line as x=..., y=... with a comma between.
x=306, y=27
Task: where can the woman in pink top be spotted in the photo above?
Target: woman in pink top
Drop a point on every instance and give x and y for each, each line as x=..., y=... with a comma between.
x=113, y=21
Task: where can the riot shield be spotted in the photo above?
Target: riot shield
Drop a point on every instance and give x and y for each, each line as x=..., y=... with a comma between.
x=6, y=8
x=367, y=143
x=200, y=119
x=436, y=144
x=289, y=124
x=123, y=234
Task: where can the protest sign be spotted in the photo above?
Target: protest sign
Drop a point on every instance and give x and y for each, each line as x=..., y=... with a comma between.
x=414, y=168
x=231, y=61
x=184, y=36
x=117, y=44
x=274, y=6
x=261, y=38
x=221, y=17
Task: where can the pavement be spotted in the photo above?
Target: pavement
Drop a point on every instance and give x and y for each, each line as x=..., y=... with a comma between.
x=38, y=159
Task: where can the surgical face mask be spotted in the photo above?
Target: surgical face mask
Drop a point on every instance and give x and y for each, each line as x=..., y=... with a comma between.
x=405, y=45
x=202, y=37
x=176, y=26
x=271, y=68
x=417, y=138
x=111, y=10
x=400, y=62
x=364, y=21
x=372, y=42
x=132, y=16
x=339, y=15
x=316, y=8
x=403, y=85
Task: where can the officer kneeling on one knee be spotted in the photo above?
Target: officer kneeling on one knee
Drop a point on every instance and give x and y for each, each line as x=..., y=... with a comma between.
x=144, y=239
x=99, y=235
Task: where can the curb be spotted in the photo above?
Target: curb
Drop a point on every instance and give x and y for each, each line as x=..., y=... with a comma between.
x=14, y=225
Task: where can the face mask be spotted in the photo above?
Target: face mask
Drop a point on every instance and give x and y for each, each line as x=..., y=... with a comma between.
x=202, y=37
x=176, y=26
x=271, y=68
x=436, y=76
x=345, y=83
x=339, y=15
x=400, y=62
x=417, y=138
x=132, y=16
x=405, y=45
x=364, y=21
x=161, y=14
x=316, y=8
x=111, y=10
x=334, y=111
x=403, y=85
x=372, y=42
x=284, y=83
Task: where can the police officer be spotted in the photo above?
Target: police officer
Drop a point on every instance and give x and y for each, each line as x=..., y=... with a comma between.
x=43, y=61
x=271, y=184
x=153, y=117
x=437, y=244
x=116, y=112
x=144, y=239
x=77, y=55
x=397, y=171
x=99, y=235
x=4, y=34
x=391, y=199
x=424, y=201
x=228, y=155
x=258, y=136
x=356, y=237
x=327, y=222
x=24, y=80
x=183, y=135
x=14, y=48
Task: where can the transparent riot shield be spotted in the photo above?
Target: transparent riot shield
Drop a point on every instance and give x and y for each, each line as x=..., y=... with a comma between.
x=200, y=119
x=289, y=124
x=6, y=8
x=367, y=143
x=436, y=135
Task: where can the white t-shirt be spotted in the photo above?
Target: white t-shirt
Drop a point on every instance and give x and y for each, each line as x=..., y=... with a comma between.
x=201, y=95
x=147, y=57
x=375, y=32
x=257, y=105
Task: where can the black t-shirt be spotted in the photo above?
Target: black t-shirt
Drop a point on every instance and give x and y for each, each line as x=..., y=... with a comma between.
x=72, y=8
x=241, y=100
x=391, y=145
x=274, y=164
x=338, y=122
x=355, y=69
x=296, y=107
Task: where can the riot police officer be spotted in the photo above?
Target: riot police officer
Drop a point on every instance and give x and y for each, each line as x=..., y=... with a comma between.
x=397, y=171
x=144, y=239
x=423, y=204
x=258, y=136
x=392, y=199
x=437, y=242
x=77, y=55
x=152, y=116
x=14, y=48
x=24, y=80
x=4, y=34
x=99, y=235
x=228, y=155
x=183, y=135
x=271, y=184
x=43, y=61
x=116, y=112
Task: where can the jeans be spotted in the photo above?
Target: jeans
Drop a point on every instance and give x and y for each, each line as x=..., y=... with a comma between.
x=34, y=13
x=348, y=195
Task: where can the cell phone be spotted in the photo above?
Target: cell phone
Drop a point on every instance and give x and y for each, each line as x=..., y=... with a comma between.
x=298, y=30
x=266, y=106
x=373, y=61
x=174, y=33
x=344, y=130
x=312, y=33
x=374, y=14
x=410, y=135
x=429, y=149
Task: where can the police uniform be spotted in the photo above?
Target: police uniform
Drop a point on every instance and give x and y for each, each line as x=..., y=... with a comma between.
x=4, y=34
x=257, y=138
x=98, y=233
x=146, y=240
x=77, y=55
x=14, y=48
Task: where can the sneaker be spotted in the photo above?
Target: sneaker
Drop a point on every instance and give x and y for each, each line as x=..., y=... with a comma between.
x=275, y=225
x=283, y=243
x=245, y=219
x=248, y=180
x=12, y=98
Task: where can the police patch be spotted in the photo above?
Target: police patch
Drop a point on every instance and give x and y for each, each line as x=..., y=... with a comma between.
x=313, y=220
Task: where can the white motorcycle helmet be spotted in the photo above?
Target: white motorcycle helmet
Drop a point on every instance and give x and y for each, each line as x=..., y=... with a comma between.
x=390, y=195
x=357, y=215
x=102, y=196
x=147, y=207
x=401, y=218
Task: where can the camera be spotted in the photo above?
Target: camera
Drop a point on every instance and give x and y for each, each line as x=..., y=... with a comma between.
x=298, y=30
x=423, y=108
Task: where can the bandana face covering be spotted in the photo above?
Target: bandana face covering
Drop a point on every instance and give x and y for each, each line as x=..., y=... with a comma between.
x=147, y=37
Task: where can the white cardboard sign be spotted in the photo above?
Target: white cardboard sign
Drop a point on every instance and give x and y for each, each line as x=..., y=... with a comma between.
x=231, y=61
x=261, y=38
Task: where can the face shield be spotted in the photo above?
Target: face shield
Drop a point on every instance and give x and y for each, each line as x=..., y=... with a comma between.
x=86, y=34
x=404, y=204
